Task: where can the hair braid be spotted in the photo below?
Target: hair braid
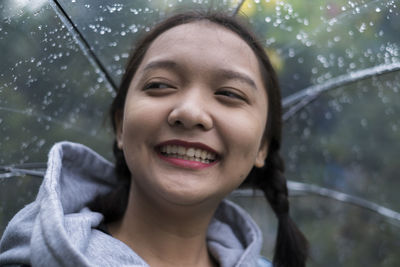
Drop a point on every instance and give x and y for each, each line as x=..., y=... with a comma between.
x=291, y=249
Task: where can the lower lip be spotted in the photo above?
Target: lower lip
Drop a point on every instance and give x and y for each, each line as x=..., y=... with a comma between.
x=188, y=164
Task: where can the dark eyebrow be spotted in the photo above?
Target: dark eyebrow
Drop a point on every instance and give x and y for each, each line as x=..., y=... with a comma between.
x=166, y=64
x=224, y=73
x=234, y=75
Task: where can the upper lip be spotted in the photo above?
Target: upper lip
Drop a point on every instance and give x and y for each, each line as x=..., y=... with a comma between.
x=187, y=144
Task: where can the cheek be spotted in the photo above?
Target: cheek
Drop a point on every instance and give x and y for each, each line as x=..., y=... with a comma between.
x=141, y=121
x=245, y=134
x=140, y=115
x=137, y=111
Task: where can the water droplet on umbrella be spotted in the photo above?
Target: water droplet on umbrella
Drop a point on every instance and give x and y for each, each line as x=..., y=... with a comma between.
x=364, y=122
x=362, y=28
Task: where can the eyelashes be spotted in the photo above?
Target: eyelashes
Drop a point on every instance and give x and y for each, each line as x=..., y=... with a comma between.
x=230, y=94
x=224, y=94
x=157, y=85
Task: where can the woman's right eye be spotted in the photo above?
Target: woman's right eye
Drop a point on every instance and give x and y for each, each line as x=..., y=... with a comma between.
x=157, y=85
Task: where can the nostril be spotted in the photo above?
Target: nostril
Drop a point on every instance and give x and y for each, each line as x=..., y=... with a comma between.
x=188, y=118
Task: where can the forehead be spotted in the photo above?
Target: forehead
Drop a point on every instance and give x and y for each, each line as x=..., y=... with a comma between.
x=207, y=43
x=198, y=31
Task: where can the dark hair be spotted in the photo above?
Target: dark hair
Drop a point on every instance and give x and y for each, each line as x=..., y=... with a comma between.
x=291, y=246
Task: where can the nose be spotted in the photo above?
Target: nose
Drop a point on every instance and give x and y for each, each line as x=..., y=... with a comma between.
x=191, y=112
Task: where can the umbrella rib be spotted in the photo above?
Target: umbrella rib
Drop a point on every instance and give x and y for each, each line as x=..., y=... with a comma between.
x=83, y=44
x=297, y=189
x=236, y=11
x=300, y=99
x=37, y=170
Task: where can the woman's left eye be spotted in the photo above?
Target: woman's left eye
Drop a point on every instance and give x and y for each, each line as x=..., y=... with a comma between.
x=157, y=85
x=230, y=94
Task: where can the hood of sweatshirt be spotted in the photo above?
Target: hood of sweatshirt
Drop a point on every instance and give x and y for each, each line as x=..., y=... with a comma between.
x=57, y=229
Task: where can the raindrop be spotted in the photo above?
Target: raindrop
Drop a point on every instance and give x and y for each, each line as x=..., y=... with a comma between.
x=134, y=11
x=24, y=145
x=133, y=28
x=363, y=27
x=328, y=115
x=123, y=33
x=40, y=143
x=267, y=19
x=111, y=9
x=364, y=122
x=277, y=22
x=270, y=41
x=291, y=52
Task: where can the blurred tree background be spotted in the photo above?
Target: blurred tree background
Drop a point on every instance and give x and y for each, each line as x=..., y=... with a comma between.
x=347, y=139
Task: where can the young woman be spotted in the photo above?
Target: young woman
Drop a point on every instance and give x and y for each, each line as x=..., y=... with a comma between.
x=197, y=115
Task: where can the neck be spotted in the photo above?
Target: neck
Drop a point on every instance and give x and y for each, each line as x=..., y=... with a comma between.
x=164, y=234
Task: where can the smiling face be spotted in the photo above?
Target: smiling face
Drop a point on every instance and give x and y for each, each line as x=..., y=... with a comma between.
x=194, y=116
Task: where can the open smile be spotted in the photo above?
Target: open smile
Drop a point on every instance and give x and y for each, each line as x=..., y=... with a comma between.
x=187, y=154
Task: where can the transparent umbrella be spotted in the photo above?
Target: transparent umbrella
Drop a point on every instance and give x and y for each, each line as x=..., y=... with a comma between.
x=338, y=62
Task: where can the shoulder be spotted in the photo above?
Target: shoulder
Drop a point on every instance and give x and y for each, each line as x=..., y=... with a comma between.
x=263, y=262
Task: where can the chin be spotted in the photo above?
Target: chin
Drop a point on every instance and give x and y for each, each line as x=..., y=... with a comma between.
x=190, y=198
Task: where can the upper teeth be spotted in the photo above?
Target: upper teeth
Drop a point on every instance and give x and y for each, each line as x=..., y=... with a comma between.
x=188, y=151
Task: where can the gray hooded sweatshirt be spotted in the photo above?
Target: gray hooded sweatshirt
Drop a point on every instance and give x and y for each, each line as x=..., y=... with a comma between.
x=57, y=229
